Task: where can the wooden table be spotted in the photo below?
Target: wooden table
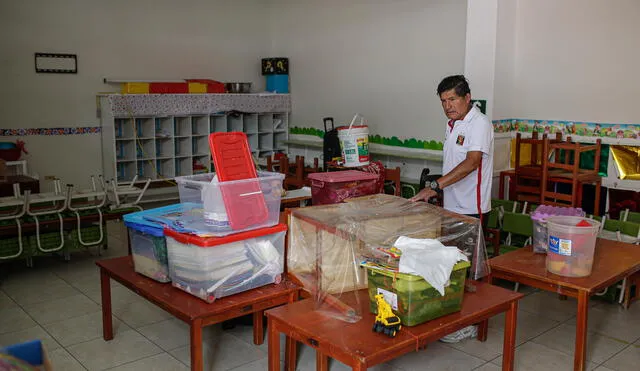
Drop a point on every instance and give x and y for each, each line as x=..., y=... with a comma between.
x=356, y=345
x=613, y=262
x=190, y=309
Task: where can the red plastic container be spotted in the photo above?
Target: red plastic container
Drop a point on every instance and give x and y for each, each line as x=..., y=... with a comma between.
x=334, y=187
x=10, y=154
x=169, y=88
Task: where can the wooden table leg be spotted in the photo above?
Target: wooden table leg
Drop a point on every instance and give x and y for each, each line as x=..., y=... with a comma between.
x=274, y=347
x=105, y=292
x=508, y=347
x=197, y=363
x=579, y=360
x=322, y=361
x=483, y=327
x=501, y=189
x=258, y=327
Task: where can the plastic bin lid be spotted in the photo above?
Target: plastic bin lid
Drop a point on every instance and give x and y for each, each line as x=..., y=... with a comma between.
x=232, y=156
x=154, y=231
x=343, y=176
x=215, y=241
x=147, y=217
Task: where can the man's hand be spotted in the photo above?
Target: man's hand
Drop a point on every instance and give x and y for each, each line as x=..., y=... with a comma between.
x=424, y=195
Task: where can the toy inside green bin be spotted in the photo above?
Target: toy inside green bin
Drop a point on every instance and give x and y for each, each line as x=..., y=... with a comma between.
x=412, y=298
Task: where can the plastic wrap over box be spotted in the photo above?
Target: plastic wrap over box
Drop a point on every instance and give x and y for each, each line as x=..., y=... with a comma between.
x=328, y=243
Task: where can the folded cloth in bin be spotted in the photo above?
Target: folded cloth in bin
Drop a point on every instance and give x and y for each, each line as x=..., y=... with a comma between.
x=429, y=259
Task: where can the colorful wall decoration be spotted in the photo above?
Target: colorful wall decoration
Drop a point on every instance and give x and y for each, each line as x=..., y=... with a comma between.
x=587, y=129
x=50, y=131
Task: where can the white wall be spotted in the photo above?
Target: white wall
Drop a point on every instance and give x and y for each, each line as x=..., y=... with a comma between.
x=506, y=50
x=141, y=39
x=577, y=60
x=382, y=59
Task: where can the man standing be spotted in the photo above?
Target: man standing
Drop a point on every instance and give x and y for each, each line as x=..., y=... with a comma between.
x=467, y=163
x=467, y=153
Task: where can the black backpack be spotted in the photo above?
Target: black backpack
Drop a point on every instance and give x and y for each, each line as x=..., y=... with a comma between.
x=331, y=143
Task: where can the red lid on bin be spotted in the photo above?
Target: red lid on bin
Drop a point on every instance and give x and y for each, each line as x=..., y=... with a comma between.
x=191, y=239
x=353, y=127
x=583, y=223
x=342, y=176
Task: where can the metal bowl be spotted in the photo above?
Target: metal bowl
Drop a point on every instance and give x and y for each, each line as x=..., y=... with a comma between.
x=238, y=87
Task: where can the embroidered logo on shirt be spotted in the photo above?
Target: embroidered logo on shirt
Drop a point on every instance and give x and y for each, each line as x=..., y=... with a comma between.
x=460, y=140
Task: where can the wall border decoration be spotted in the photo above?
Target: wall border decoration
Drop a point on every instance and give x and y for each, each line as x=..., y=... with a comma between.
x=50, y=131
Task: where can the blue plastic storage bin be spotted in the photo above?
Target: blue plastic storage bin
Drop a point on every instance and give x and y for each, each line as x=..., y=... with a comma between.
x=278, y=84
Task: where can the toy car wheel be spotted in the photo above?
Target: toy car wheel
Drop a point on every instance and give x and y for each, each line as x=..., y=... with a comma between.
x=393, y=333
x=375, y=327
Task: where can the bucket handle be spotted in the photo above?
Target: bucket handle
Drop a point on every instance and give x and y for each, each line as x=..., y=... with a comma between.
x=354, y=120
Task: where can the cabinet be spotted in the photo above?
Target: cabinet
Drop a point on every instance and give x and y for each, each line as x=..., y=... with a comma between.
x=164, y=136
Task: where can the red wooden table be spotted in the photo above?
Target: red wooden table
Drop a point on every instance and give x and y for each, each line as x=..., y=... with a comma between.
x=613, y=262
x=189, y=308
x=356, y=345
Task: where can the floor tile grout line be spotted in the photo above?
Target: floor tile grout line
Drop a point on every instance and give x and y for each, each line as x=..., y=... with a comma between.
x=615, y=354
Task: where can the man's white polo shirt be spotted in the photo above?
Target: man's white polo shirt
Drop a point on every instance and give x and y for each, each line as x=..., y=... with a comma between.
x=473, y=133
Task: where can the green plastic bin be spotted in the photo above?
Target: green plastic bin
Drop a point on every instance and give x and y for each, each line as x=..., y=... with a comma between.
x=417, y=300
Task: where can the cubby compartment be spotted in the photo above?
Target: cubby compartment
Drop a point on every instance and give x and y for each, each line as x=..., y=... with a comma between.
x=278, y=140
x=200, y=125
x=200, y=146
x=166, y=168
x=125, y=149
x=145, y=128
x=146, y=169
x=183, y=147
x=280, y=122
x=265, y=141
x=182, y=126
x=250, y=122
x=126, y=171
x=253, y=142
x=183, y=166
x=145, y=149
x=235, y=122
x=123, y=128
x=218, y=123
x=164, y=127
x=265, y=122
x=165, y=148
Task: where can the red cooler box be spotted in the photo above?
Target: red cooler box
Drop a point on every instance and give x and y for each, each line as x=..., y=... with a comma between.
x=334, y=187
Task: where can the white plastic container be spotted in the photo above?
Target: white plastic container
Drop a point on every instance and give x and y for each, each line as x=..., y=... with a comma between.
x=571, y=247
x=354, y=143
x=227, y=211
x=215, y=267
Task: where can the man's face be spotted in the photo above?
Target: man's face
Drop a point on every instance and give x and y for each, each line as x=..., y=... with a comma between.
x=454, y=106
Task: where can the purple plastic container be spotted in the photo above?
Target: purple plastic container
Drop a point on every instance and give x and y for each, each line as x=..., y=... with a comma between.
x=539, y=217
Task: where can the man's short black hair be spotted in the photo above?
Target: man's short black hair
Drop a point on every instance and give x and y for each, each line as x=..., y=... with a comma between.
x=456, y=82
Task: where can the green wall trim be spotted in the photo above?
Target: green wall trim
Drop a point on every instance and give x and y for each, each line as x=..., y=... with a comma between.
x=392, y=141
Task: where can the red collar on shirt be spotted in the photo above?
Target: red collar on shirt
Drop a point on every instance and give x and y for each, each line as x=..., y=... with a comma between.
x=451, y=124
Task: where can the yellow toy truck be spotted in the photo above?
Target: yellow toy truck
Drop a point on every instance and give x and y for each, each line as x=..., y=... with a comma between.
x=386, y=321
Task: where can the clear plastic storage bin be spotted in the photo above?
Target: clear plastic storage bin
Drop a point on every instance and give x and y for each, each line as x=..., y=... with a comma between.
x=215, y=267
x=234, y=206
x=148, y=245
x=572, y=243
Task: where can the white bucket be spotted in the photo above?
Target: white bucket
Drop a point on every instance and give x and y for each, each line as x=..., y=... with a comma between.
x=354, y=144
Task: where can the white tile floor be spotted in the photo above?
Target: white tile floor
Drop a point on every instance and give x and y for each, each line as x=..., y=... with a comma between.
x=59, y=303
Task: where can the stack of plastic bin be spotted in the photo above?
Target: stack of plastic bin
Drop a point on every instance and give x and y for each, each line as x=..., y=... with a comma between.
x=231, y=242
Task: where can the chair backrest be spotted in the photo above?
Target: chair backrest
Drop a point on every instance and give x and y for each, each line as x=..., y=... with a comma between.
x=612, y=225
x=633, y=216
x=630, y=229
x=507, y=205
x=393, y=175
x=493, y=220
x=517, y=223
x=572, y=152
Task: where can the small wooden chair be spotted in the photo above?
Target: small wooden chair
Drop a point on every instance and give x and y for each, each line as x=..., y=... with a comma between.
x=294, y=179
x=555, y=171
x=392, y=179
x=527, y=179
